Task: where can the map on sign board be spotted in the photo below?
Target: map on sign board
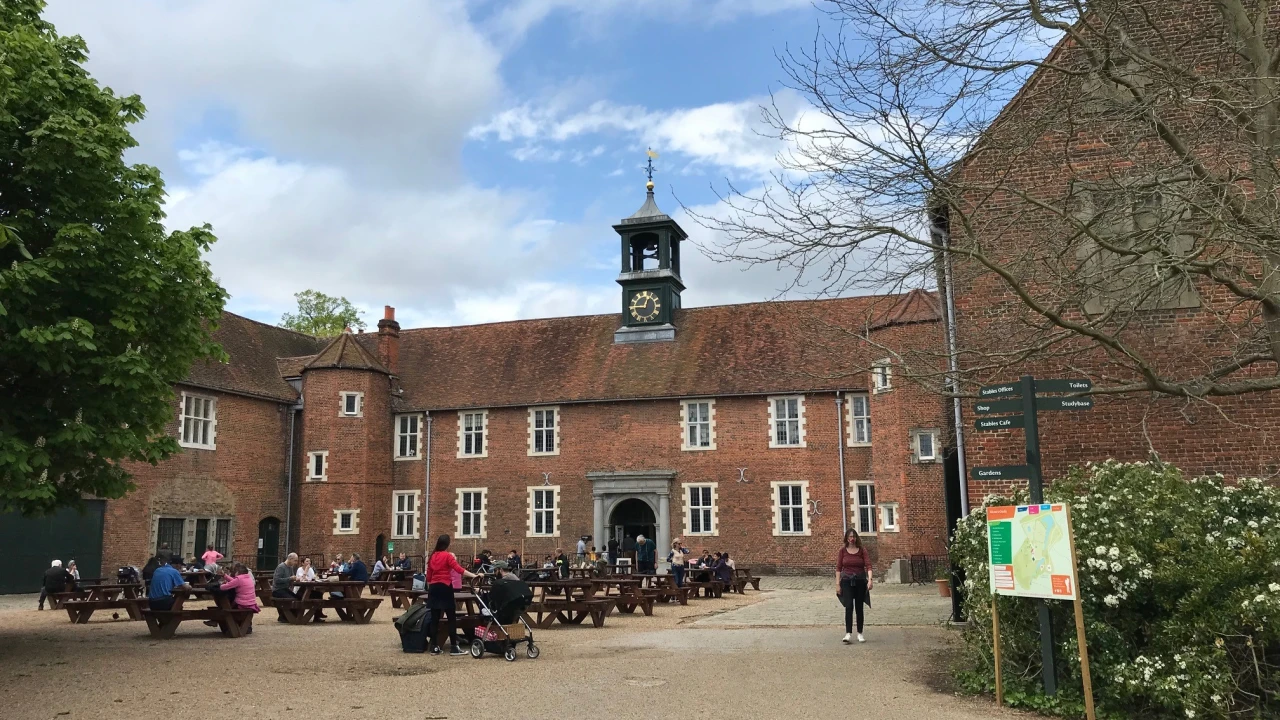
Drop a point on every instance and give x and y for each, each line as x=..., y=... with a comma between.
x=1030, y=551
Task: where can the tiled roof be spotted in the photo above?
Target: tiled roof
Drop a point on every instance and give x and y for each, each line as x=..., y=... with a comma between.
x=291, y=367
x=253, y=348
x=913, y=307
x=754, y=348
x=345, y=352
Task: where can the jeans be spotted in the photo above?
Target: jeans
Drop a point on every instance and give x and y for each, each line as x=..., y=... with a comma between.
x=678, y=571
x=164, y=604
x=853, y=590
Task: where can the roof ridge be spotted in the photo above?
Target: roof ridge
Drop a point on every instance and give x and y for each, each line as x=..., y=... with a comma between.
x=273, y=327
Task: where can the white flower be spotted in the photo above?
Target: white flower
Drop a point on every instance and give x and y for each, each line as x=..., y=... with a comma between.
x=1260, y=598
x=1191, y=713
x=1145, y=573
x=1274, y=587
x=1111, y=601
x=1114, y=553
x=1100, y=550
x=1253, y=524
x=1116, y=567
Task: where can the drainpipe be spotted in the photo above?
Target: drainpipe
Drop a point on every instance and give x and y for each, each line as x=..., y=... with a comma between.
x=288, y=498
x=426, y=498
x=938, y=228
x=844, y=488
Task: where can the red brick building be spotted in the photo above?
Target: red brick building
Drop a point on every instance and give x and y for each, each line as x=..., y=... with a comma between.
x=757, y=429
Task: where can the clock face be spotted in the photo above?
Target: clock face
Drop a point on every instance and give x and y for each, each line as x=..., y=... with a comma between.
x=644, y=306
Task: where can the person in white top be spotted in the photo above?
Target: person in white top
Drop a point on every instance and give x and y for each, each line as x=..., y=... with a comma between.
x=305, y=573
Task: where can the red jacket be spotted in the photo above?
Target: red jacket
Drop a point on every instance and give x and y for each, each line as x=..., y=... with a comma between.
x=439, y=567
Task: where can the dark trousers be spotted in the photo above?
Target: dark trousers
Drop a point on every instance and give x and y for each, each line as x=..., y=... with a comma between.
x=287, y=595
x=645, y=567
x=164, y=604
x=44, y=593
x=852, y=593
x=678, y=571
x=439, y=606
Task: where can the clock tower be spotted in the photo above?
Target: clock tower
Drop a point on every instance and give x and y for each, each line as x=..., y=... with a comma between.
x=650, y=276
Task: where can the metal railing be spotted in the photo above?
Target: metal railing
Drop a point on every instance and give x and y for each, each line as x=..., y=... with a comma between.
x=925, y=568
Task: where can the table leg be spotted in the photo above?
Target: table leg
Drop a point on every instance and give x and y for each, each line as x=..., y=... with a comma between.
x=135, y=613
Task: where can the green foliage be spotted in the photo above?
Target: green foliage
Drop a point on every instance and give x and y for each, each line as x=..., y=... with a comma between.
x=101, y=310
x=322, y=315
x=1180, y=583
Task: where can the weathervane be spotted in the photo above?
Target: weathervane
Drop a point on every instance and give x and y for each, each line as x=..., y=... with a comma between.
x=648, y=171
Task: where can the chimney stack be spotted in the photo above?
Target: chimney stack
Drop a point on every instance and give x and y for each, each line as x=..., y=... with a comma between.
x=389, y=339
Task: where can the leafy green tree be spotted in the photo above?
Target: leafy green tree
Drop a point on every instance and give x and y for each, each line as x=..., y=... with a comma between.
x=101, y=309
x=322, y=315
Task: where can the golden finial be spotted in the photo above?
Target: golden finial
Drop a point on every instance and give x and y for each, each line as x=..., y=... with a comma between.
x=649, y=169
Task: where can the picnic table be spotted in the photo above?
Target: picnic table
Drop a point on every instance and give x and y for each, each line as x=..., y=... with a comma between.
x=232, y=621
x=349, y=605
x=626, y=594
x=105, y=597
x=569, y=601
x=744, y=576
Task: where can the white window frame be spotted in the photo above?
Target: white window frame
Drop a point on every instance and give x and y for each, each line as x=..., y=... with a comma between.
x=533, y=511
x=464, y=434
x=342, y=403
x=324, y=466
x=355, y=521
x=778, y=508
x=882, y=375
x=555, y=430
x=709, y=528
x=211, y=431
x=859, y=434
x=774, y=420
x=890, y=518
x=484, y=513
x=916, y=455
x=706, y=427
x=402, y=437
x=868, y=504
x=411, y=516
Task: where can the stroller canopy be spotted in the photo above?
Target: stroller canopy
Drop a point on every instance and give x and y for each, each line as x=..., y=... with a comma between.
x=507, y=599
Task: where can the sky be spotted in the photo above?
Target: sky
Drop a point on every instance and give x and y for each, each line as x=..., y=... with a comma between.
x=463, y=161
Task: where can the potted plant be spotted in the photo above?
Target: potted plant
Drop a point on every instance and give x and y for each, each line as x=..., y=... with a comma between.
x=943, y=578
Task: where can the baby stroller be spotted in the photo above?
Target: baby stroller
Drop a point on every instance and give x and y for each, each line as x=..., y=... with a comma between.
x=506, y=627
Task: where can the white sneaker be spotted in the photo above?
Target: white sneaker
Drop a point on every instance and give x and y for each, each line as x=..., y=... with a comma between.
x=860, y=638
x=847, y=639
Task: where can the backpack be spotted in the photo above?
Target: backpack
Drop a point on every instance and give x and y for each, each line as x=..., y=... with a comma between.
x=419, y=581
x=414, y=619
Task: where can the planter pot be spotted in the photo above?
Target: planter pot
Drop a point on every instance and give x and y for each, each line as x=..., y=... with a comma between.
x=944, y=587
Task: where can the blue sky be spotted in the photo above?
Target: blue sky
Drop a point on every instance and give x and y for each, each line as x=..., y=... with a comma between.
x=462, y=161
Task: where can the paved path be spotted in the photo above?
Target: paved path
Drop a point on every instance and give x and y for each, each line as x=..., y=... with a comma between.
x=817, y=605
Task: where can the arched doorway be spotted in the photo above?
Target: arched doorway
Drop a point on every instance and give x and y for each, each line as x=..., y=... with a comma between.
x=268, y=543
x=631, y=517
x=379, y=549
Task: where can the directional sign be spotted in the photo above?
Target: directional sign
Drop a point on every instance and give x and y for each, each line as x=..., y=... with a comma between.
x=1001, y=472
x=1063, y=386
x=986, y=407
x=1001, y=390
x=1064, y=403
x=1006, y=422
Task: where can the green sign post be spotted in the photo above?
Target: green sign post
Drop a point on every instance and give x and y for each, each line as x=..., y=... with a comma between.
x=1022, y=399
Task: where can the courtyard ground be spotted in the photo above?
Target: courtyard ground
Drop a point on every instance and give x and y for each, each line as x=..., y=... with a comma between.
x=771, y=654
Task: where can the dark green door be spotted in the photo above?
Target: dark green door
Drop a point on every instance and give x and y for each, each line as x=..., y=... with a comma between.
x=202, y=537
x=268, y=543
x=30, y=544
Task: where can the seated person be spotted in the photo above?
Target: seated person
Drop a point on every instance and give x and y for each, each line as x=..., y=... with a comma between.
x=357, y=569
x=404, y=563
x=166, y=579
x=562, y=563
x=513, y=560
x=56, y=580
x=379, y=567
x=242, y=589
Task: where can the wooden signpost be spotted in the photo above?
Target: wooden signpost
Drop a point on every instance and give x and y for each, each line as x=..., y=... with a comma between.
x=1021, y=397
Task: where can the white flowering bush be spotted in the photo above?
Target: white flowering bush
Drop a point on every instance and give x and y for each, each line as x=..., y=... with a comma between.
x=1180, y=583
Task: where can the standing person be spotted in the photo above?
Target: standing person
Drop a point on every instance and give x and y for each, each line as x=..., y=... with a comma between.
x=853, y=581
x=678, y=561
x=613, y=551
x=166, y=579
x=55, y=580
x=645, y=555
x=242, y=587
x=440, y=565
x=562, y=563
x=211, y=557
x=582, y=550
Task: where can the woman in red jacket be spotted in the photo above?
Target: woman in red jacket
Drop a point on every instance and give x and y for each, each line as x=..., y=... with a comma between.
x=440, y=594
x=853, y=581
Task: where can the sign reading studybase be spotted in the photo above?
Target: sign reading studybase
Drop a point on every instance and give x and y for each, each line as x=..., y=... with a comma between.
x=1030, y=551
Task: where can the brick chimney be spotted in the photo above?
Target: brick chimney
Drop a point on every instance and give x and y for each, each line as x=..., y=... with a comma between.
x=389, y=339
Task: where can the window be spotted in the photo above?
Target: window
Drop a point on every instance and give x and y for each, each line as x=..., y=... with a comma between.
x=169, y=532
x=865, y=506
x=221, y=537
x=700, y=516
x=699, y=426
x=471, y=433
x=404, y=513
x=408, y=436
x=924, y=446
x=198, y=421
x=889, y=517
x=471, y=512
x=789, y=504
x=318, y=465
x=859, y=420
x=346, y=522
x=544, y=431
x=542, y=511
x=786, y=421
x=352, y=404
x=882, y=376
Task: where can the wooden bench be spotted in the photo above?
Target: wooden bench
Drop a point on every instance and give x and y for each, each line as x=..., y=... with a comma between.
x=628, y=602
x=709, y=588
x=378, y=587
x=57, y=599
x=81, y=610
x=568, y=612
x=301, y=612
x=744, y=574
x=402, y=598
x=164, y=623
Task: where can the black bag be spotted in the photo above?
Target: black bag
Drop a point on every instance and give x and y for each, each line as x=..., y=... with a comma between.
x=412, y=626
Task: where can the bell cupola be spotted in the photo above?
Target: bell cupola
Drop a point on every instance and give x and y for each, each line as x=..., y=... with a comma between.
x=650, y=276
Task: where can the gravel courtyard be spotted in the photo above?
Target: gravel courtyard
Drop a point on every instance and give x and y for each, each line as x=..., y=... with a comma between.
x=775, y=653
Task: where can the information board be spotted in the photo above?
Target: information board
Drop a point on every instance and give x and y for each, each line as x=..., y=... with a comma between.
x=1030, y=551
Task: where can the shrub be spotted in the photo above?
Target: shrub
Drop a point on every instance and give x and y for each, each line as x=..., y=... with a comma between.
x=1180, y=585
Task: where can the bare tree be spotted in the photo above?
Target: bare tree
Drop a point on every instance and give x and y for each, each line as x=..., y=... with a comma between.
x=1096, y=180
